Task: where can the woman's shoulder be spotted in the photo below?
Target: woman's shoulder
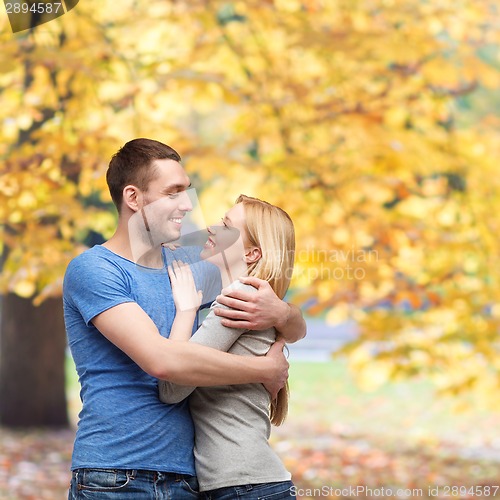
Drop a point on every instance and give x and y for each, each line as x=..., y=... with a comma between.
x=235, y=285
x=238, y=285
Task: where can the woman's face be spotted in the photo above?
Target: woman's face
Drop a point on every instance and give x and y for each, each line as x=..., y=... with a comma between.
x=230, y=238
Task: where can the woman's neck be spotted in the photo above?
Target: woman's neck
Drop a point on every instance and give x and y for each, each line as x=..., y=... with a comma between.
x=230, y=273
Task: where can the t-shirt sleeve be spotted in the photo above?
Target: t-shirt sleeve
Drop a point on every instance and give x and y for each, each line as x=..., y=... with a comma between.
x=94, y=285
x=211, y=333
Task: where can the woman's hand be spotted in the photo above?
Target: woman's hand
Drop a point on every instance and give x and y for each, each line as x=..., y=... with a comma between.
x=186, y=297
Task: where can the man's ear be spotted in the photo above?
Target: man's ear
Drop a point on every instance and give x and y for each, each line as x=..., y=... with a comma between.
x=252, y=254
x=133, y=197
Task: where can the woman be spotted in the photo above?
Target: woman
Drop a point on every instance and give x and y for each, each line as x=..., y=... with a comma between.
x=232, y=423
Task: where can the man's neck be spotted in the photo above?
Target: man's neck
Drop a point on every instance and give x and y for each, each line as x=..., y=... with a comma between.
x=135, y=251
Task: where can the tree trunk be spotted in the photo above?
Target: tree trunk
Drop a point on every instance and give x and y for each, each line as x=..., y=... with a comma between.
x=32, y=354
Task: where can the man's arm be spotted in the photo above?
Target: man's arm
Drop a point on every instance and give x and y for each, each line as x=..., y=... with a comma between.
x=132, y=330
x=261, y=310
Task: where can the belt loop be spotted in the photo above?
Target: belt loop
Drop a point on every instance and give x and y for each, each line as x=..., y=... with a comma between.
x=78, y=480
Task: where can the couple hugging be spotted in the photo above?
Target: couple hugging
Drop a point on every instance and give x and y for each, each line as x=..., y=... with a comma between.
x=173, y=409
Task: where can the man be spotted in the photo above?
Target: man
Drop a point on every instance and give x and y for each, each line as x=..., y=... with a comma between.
x=118, y=316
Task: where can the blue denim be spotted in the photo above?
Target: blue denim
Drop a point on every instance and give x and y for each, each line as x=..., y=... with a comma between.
x=111, y=484
x=264, y=491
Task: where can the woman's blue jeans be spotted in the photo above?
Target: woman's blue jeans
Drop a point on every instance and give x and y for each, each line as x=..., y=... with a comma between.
x=264, y=491
x=105, y=484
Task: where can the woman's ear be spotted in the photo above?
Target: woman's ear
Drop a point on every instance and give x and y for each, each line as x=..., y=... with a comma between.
x=252, y=255
x=132, y=197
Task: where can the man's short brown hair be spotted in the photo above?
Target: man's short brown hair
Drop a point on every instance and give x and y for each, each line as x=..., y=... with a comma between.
x=133, y=164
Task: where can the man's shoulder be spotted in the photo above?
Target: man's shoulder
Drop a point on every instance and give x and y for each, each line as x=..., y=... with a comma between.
x=97, y=273
x=92, y=263
x=82, y=260
x=95, y=254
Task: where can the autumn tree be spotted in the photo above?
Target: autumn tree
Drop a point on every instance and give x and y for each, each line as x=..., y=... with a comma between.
x=67, y=104
x=349, y=114
x=354, y=117
x=48, y=160
x=73, y=91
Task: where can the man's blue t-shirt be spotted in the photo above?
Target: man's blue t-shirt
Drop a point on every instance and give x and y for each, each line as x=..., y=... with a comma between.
x=123, y=424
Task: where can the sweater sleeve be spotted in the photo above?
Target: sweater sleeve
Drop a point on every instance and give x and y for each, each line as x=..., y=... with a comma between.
x=211, y=333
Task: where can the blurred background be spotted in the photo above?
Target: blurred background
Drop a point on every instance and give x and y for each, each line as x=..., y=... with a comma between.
x=374, y=123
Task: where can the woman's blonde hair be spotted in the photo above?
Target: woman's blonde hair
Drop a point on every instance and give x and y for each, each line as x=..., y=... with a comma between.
x=271, y=229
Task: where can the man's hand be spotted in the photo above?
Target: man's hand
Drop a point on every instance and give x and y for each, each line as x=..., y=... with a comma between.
x=260, y=310
x=278, y=380
x=250, y=310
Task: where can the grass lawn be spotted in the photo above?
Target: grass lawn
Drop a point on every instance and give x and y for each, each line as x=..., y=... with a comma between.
x=325, y=396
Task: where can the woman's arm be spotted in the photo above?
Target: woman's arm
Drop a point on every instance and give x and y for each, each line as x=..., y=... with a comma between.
x=210, y=334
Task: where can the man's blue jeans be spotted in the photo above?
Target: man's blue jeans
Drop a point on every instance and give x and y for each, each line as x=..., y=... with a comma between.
x=264, y=491
x=105, y=484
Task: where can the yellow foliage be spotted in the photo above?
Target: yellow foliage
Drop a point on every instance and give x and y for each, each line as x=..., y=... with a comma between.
x=350, y=115
x=24, y=288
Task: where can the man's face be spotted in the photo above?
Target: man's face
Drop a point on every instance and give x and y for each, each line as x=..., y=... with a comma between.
x=166, y=202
